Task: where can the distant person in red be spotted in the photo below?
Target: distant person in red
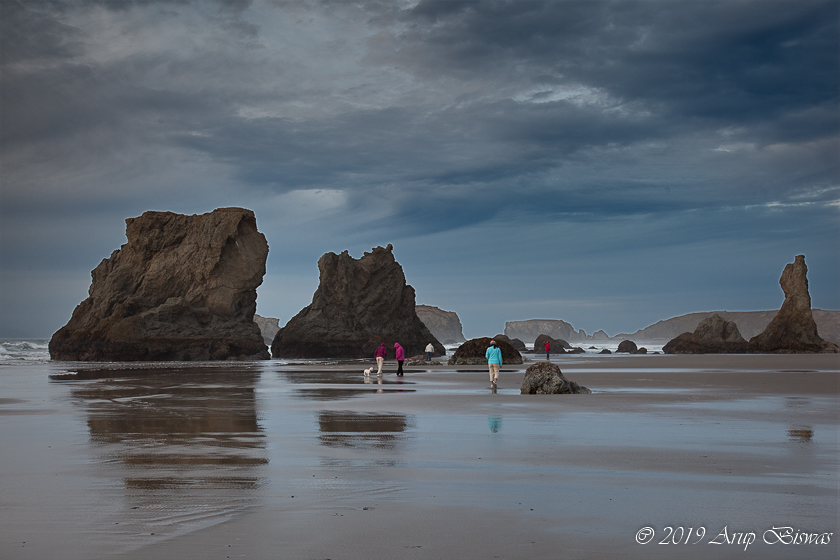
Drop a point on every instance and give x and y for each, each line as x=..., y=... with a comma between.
x=547, y=345
x=400, y=358
x=380, y=357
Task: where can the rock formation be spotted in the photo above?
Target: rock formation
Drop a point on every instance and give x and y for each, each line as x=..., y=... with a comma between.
x=532, y=328
x=182, y=288
x=359, y=304
x=556, y=346
x=444, y=325
x=713, y=335
x=793, y=328
x=626, y=347
x=268, y=327
x=517, y=344
x=473, y=352
x=545, y=378
x=750, y=324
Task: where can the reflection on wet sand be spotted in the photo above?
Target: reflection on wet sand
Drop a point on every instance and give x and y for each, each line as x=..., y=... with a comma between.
x=363, y=430
x=171, y=435
x=802, y=434
x=324, y=381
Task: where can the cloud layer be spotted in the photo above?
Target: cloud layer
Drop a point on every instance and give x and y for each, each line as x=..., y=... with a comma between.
x=607, y=163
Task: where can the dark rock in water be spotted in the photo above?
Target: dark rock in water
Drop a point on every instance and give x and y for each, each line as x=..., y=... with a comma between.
x=605, y=351
x=473, y=352
x=714, y=335
x=359, y=304
x=626, y=347
x=641, y=350
x=182, y=288
x=545, y=378
x=515, y=342
x=444, y=325
x=793, y=328
x=557, y=346
x=577, y=350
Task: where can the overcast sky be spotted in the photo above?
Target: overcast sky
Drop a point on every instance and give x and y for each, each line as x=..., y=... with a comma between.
x=610, y=164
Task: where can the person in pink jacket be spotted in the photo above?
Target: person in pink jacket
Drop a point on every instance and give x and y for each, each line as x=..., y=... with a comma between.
x=379, y=354
x=400, y=358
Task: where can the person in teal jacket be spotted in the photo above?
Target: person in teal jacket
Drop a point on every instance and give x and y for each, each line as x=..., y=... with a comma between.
x=494, y=362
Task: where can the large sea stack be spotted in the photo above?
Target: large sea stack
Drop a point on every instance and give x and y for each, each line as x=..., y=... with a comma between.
x=359, y=304
x=793, y=329
x=182, y=288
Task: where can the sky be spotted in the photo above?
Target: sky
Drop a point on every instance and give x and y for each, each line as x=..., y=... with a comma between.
x=610, y=164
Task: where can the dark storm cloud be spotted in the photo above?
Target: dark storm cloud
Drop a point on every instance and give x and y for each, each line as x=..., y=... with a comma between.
x=649, y=125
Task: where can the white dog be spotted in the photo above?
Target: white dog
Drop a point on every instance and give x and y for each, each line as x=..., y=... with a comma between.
x=367, y=371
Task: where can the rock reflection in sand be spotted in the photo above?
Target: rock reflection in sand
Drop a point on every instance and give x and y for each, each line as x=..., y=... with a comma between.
x=170, y=435
x=323, y=381
x=385, y=431
x=802, y=434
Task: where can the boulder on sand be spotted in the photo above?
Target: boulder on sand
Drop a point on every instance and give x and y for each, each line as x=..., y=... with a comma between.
x=474, y=351
x=359, y=304
x=793, y=328
x=545, y=378
x=626, y=347
x=515, y=342
x=182, y=288
x=714, y=335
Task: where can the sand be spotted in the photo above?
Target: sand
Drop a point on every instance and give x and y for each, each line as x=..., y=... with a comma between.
x=310, y=461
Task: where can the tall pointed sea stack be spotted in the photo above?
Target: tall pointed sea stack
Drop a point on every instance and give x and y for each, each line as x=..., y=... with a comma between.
x=358, y=305
x=182, y=288
x=793, y=328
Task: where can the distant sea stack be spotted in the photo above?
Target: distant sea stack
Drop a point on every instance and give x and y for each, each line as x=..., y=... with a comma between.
x=268, y=327
x=182, y=288
x=529, y=330
x=359, y=304
x=445, y=325
x=793, y=329
x=714, y=335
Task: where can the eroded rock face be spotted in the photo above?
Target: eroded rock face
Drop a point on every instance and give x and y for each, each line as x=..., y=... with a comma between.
x=545, y=378
x=445, y=325
x=793, y=328
x=359, y=304
x=714, y=335
x=182, y=288
x=474, y=351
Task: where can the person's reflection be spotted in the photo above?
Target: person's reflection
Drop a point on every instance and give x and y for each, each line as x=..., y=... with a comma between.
x=494, y=423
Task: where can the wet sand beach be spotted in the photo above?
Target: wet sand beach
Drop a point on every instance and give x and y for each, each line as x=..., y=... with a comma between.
x=314, y=461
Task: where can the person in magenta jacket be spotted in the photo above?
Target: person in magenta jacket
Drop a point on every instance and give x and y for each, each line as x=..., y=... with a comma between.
x=379, y=354
x=400, y=358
